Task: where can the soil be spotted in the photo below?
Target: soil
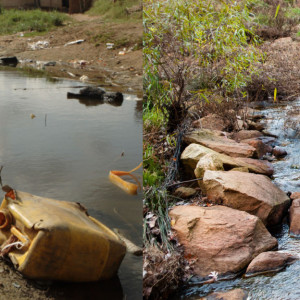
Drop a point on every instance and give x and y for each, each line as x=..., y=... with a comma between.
x=105, y=67
x=119, y=68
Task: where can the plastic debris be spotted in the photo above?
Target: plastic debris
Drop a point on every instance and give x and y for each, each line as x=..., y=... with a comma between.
x=71, y=74
x=73, y=245
x=50, y=63
x=39, y=45
x=110, y=45
x=84, y=78
x=74, y=42
x=130, y=188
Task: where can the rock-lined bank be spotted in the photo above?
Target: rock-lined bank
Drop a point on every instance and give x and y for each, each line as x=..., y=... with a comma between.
x=235, y=179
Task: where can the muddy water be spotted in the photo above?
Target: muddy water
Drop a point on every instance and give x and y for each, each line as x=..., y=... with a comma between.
x=66, y=152
x=283, y=121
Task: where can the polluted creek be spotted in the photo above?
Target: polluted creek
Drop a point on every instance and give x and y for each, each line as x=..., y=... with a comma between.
x=57, y=154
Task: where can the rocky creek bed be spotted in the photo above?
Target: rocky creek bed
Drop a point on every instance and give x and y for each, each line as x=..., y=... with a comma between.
x=246, y=226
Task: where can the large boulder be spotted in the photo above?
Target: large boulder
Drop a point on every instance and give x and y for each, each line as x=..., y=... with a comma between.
x=220, y=238
x=215, y=141
x=271, y=261
x=197, y=159
x=295, y=218
x=253, y=193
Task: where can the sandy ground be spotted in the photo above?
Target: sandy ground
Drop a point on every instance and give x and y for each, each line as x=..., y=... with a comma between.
x=103, y=66
x=120, y=67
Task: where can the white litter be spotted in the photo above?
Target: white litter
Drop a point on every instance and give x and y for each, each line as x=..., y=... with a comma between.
x=74, y=42
x=110, y=45
x=39, y=45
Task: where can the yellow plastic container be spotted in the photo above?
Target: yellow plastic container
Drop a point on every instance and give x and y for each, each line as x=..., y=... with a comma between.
x=51, y=239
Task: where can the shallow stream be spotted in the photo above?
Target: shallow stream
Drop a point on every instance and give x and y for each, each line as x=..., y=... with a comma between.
x=66, y=153
x=283, y=121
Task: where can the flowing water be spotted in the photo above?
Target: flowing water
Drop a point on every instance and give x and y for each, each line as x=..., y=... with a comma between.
x=283, y=121
x=66, y=153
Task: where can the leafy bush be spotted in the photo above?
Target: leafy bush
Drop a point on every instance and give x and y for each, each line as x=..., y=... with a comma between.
x=182, y=42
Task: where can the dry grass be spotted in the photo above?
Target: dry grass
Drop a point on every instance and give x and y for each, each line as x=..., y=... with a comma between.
x=162, y=273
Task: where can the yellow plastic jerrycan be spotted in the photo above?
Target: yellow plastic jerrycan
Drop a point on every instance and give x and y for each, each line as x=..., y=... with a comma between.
x=57, y=240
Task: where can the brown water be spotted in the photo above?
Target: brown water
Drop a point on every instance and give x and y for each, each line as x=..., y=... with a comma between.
x=283, y=121
x=66, y=153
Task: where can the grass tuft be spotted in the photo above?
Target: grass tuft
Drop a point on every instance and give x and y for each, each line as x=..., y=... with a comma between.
x=13, y=21
x=115, y=11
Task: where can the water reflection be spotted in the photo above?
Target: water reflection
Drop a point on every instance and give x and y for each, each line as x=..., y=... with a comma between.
x=70, y=158
x=108, y=289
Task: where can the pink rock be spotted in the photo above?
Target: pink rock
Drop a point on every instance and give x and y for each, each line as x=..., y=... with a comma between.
x=220, y=238
x=253, y=193
x=221, y=144
x=271, y=261
x=295, y=218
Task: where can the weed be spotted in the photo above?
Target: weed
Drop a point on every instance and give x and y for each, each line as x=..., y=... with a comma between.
x=115, y=11
x=13, y=21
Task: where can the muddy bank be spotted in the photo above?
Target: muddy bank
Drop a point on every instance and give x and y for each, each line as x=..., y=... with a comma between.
x=118, y=68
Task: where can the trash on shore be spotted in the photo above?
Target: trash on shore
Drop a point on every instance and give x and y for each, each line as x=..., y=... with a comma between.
x=74, y=42
x=71, y=74
x=110, y=45
x=48, y=239
x=9, y=61
x=130, y=188
x=84, y=78
x=39, y=45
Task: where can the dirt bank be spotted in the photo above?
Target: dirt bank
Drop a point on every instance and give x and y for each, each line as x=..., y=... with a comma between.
x=120, y=67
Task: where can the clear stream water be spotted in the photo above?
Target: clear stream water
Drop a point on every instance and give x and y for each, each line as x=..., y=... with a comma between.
x=66, y=153
x=283, y=121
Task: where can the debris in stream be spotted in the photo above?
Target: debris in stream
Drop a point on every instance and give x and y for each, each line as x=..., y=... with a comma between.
x=95, y=96
x=91, y=251
x=128, y=187
x=8, y=61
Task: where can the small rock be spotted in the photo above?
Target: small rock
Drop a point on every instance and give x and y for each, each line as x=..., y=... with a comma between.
x=271, y=261
x=211, y=121
x=295, y=218
x=185, y=192
x=261, y=148
x=279, y=152
x=236, y=294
